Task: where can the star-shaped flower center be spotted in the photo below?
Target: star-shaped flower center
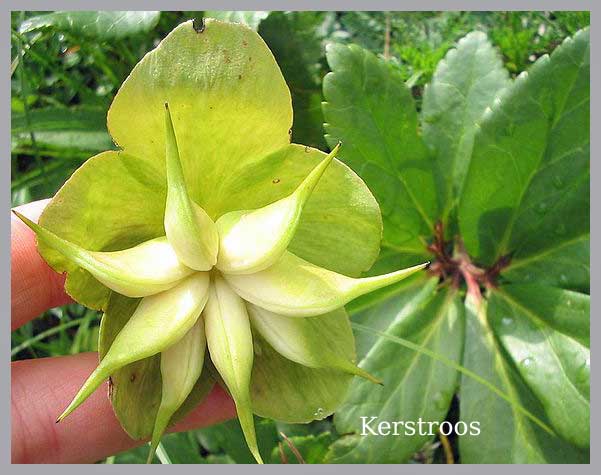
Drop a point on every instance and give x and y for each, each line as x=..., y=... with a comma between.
x=205, y=283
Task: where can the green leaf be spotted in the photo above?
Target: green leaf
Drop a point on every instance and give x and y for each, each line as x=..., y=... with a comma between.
x=289, y=392
x=228, y=100
x=135, y=390
x=340, y=227
x=465, y=83
x=100, y=25
x=293, y=39
x=527, y=189
x=250, y=19
x=415, y=386
x=566, y=265
x=312, y=449
x=73, y=129
x=544, y=331
x=370, y=110
x=506, y=434
x=227, y=440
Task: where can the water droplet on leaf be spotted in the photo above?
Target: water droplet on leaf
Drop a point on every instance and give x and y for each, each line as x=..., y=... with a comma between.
x=528, y=363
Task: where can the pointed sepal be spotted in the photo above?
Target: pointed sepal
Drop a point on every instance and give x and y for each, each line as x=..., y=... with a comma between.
x=229, y=339
x=143, y=270
x=181, y=365
x=157, y=323
x=190, y=230
x=297, y=288
x=253, y=240
x=300, y=340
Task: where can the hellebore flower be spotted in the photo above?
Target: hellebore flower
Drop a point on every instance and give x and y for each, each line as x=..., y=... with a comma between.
x=211, y=230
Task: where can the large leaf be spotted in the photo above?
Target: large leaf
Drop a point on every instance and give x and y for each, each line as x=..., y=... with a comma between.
x=292, y=39
x=545, y=330
x=101, y=25
x=414, y=385
x=506, y=434
x=527, y=189
x=565, y=265
x=465, y=83
x=371, y=111
x=80, y=129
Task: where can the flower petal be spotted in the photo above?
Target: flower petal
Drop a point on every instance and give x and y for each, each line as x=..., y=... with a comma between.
x=113, y=201
x=158, y=322
x=231, y=348
x=340, y=227
x=190, y=230
x=306, y=341
x=135, y=390
x=296, y=288
x=229, y=102
x=251, y=241
x=290, y=392
x=143, y=270
x=181, y=365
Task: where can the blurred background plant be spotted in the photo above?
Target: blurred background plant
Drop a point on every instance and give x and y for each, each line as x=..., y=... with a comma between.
x=66, y=68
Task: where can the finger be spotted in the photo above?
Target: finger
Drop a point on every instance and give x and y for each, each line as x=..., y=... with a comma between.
x=35, y=287
x=42, y=388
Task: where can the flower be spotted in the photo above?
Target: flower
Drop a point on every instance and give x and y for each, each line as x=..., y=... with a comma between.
x=210, y=230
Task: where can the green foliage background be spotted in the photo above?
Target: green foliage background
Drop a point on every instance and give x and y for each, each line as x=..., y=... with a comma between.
x=66, y=69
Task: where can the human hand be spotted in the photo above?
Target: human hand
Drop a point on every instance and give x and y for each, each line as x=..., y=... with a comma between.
x=42, y=388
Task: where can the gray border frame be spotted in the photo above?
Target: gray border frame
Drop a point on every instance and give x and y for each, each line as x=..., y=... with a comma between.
x=408, y=5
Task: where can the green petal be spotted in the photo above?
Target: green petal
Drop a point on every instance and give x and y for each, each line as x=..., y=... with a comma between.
x=181, y=365
x=340, y=227
x=229, y=101
x=135, y=390
x=303, y=340
x=158, y=322
x=287, y=391
x=231, y=348
x=143, y=270
x=189, y=228
x=251, y=241
x=296, y=288
x=113, y=201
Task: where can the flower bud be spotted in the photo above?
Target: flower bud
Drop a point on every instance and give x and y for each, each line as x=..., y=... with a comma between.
x=181, y=365
x=231, y=348
x=143, y=270
x=294, y=287
x=157, y=323
x=190, y=230
x=251, y=241
x=302, y=340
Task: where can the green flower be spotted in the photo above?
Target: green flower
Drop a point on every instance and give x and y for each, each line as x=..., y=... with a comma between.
x=211, y=230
